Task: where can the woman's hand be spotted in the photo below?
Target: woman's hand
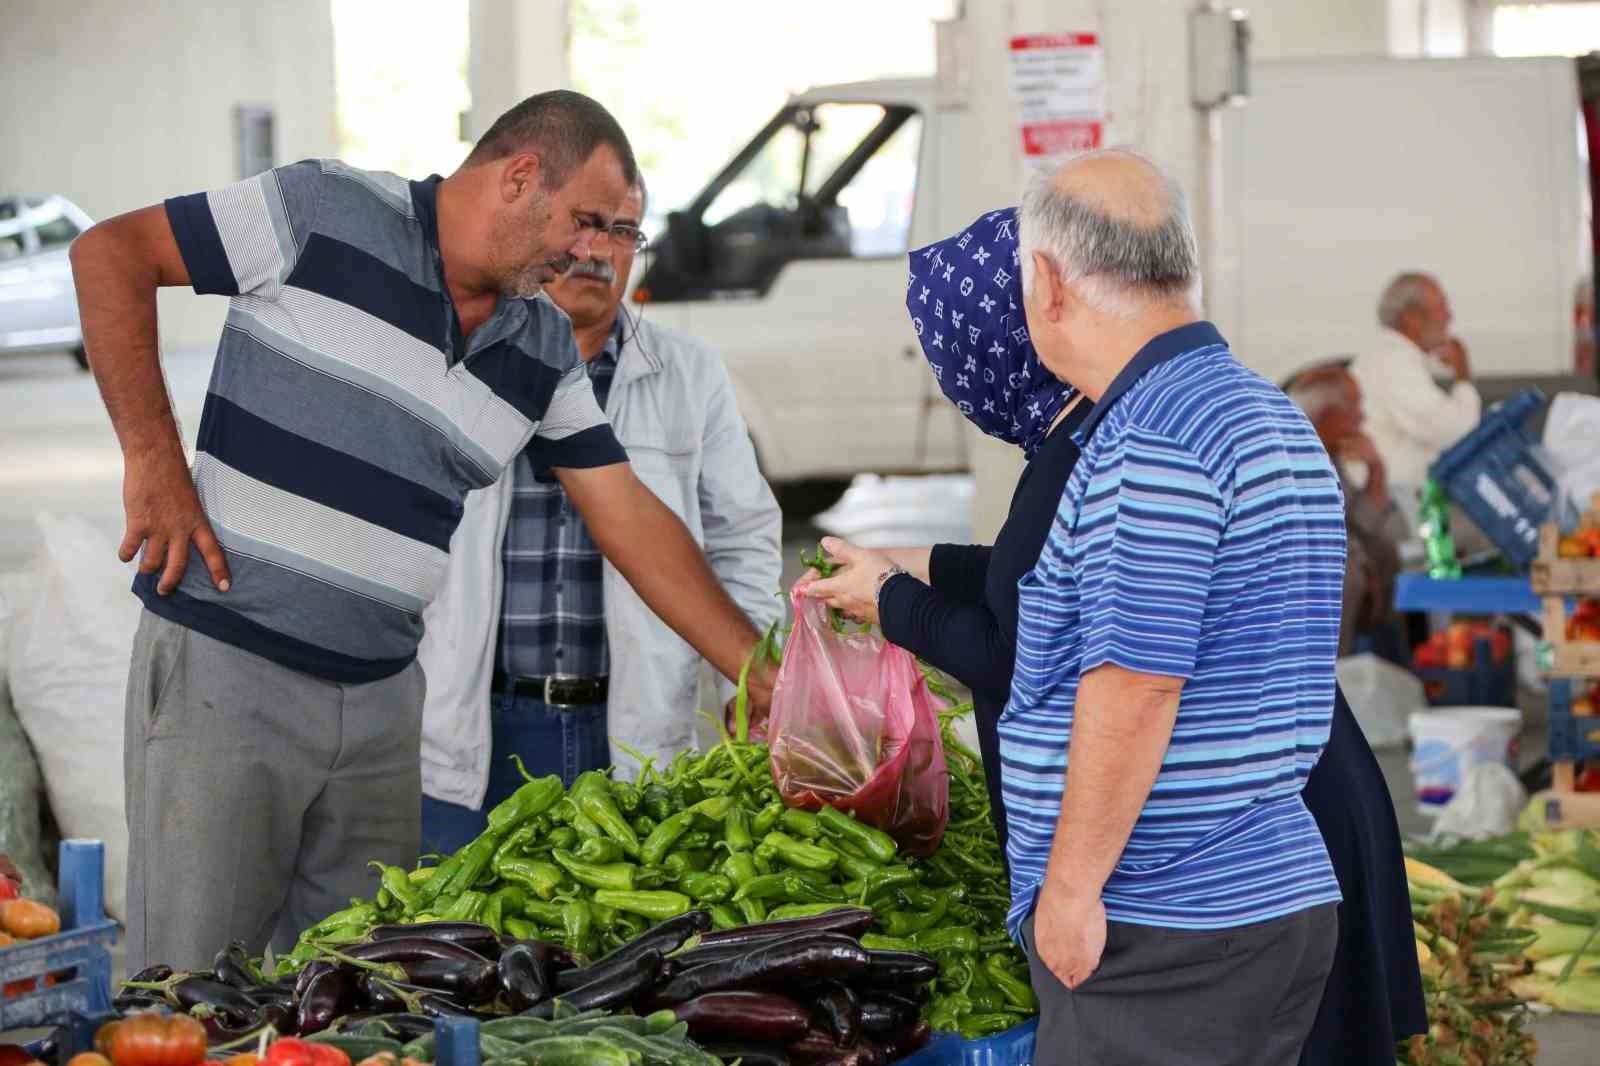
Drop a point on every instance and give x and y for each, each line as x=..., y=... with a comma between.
x=853, y=588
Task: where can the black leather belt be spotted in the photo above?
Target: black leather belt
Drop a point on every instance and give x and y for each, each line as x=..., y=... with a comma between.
x=555, y=691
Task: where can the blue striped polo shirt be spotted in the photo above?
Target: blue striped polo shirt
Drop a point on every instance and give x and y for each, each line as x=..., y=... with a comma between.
x=348, y=416
x=1200, y=536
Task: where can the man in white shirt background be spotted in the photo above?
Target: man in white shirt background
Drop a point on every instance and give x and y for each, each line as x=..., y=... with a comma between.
x=1416, y=382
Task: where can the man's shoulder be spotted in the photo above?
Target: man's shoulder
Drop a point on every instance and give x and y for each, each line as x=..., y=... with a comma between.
x=549, y=333
x=1180, y=399
x=352, y=185
x=680, y=354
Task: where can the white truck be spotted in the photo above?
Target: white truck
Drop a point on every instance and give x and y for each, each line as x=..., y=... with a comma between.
x=1336, y=175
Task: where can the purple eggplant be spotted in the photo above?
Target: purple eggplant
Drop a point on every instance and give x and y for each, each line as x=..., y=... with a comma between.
x=479, y=938
x=469, y=983
x=410, y=949
x=525, y=976
x=153, y=974
x=896, y=968
x=881, y=1019
x=758, y=1016
x=233, y=1005
x=851, y=922
x=612, y=992
x=807, y=957
x=234, y=967
x=313, y=969
x=330, y=994
x=910, y=1038
x=558, y=957
x=840, y=1012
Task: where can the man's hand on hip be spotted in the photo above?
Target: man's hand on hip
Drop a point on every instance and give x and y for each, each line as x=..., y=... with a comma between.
x=164, y=515
x=1069, y=935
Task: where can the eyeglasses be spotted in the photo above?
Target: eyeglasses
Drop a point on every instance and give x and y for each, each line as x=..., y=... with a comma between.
x=628, y=233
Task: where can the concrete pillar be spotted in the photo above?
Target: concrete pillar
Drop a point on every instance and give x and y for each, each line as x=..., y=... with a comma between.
x=1285, y=28
x=516, y=48
x=1147, y=71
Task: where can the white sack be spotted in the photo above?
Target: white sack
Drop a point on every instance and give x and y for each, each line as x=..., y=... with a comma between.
x=71, y=642
x=1382, y=695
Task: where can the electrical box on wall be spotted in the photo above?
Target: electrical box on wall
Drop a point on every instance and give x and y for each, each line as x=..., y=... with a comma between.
x=1219, y=57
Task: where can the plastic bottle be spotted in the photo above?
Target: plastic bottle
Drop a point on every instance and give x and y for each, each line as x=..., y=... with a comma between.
x=1434, y=525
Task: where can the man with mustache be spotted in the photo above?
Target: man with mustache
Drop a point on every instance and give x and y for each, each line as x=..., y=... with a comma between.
x=385, y=354
x=572, y=662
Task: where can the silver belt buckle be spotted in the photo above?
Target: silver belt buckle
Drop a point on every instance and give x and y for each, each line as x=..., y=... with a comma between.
x=549, y=689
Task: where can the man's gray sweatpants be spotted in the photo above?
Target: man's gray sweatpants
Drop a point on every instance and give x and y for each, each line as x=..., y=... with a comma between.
x=1226, y=997
x=256, y=794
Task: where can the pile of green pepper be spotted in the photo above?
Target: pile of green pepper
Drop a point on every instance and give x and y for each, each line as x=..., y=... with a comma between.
x=592, y=867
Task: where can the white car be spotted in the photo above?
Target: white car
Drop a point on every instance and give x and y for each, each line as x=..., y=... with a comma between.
x=38, y=306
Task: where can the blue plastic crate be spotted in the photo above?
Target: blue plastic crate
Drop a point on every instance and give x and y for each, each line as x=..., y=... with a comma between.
x=1569, y=733
x=1497, y=476
x=1484, y=684
x=82, y=946
x=1014, y=1047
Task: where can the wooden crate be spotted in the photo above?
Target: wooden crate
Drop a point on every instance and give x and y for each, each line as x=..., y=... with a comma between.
x=1572, y=658
x=1552, y=575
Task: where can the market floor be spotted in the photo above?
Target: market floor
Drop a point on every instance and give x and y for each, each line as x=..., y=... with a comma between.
x=58, y=454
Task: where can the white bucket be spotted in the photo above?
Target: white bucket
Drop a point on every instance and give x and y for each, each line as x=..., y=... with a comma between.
x=1449, y=741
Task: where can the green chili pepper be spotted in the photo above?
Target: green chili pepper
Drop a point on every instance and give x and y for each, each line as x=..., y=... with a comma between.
x=397, y=883
x=802, y=910
x=736, y=830
x=507, y=902
x=564, y=810
x=855, y=867
x=596, y=850
x=540, y=878
x=625, y=794
x=513, y=846
x=521, y=928
x=723, y=917
x=657, y=803
x=977, y=1026
x=908, y=923
x=547, y=914
x=593, y=797
x=657, y=906
x=879, y=846
x=475, y=859
x=686, y=792
x=492, y=914
x=886, y=879
x=586, y=827
x=705, y=887
x=465, y=908
x=714, y=809
x=562, y=836
x=765, y=859
x=626, y=927
x=801, y=823
x=753, y=910
x=1018, y=993
x=443, y=874
x=767, y=818
x=796, y=853
x=955, y=970
x=613, y=875
x=362, y=915
x=650, y=877
x=577, y=924
x=532, y=799
x=686, y=862
x=644, y=825
x=604, y=917
x=656, y=845
x=740, y=868
x=950, y=937
x=694, y=839
x=879, y=942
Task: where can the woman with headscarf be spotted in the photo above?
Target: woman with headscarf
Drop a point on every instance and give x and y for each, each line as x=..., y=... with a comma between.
x=955, y=606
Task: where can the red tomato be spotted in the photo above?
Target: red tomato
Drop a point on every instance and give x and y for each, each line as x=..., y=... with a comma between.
x=291, y=1052
x=157, y=1040
x=1589, y=780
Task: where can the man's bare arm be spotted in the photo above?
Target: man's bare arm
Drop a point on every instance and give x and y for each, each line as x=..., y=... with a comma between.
x=117, y=266
x=650, y=546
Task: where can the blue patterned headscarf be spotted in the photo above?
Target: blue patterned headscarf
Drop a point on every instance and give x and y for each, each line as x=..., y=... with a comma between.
x=965, y=299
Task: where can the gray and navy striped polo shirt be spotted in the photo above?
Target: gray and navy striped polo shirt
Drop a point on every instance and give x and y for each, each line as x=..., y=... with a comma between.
x=347, y=416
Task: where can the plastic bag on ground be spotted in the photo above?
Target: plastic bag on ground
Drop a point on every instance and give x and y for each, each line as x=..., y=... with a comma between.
x=1572, y=438
x=1382, y=696
x=853, y=725
x=70, y=646
x=1487, y=804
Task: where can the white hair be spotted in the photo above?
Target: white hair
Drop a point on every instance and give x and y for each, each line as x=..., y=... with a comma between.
x=1119, y=266
x=1401, y=295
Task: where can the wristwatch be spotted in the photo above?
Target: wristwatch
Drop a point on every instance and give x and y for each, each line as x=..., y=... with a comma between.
x=886, y=575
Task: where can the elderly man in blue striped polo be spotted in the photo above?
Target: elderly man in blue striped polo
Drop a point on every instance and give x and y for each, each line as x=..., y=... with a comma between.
x=1174, y=679
x=387, y=352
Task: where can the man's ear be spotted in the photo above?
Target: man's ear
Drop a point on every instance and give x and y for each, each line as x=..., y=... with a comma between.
x=519, y=175
x=1051, y=288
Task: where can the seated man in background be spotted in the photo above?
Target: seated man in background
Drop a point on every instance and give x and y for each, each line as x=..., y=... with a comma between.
x=1417, y=385
x=536, y=646
x=1331, y=400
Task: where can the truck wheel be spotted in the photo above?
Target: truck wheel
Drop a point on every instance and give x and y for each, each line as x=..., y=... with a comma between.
x=81, y=354
x=802, y=499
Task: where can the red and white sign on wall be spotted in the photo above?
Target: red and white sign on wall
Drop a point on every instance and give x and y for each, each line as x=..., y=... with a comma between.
x=1058, y=82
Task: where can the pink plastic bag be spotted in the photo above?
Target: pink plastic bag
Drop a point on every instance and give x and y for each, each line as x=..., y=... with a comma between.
x=854, y=725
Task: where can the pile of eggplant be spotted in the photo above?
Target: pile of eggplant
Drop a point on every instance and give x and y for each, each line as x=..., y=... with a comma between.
x=803, y=991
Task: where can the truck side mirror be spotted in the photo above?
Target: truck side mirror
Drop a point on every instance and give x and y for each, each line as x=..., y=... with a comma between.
x=689, y=240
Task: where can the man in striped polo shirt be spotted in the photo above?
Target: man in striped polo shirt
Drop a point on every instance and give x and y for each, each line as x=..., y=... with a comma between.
x=1174, y=679
x=387, y=351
